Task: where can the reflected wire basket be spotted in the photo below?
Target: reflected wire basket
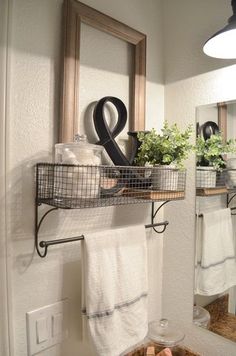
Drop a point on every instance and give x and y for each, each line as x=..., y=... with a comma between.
x=208, y=177
x=74, y=186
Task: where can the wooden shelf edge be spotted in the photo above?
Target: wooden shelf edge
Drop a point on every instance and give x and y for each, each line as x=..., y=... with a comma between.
x=205, y=192
x=154, y=194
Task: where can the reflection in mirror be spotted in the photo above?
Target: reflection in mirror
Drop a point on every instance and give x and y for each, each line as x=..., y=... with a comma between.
x=215, y=262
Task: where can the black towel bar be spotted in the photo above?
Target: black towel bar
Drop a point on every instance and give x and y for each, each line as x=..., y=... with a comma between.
x=46, y=244
x=201, y=215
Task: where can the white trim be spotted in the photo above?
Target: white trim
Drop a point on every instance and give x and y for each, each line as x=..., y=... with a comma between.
x=4, y=300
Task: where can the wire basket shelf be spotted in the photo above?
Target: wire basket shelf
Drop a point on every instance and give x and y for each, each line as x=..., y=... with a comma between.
x=76, y=187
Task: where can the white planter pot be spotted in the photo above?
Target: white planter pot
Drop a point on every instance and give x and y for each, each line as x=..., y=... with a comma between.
x=206, y=177
x=231, y=173
x=231, y=178
x=165, y=178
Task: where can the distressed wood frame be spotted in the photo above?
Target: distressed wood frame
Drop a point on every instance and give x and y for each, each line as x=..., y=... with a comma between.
x=74, y=13
x=222, y=119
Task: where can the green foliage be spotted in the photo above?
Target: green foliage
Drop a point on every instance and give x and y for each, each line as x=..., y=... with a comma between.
x=171, y=147
x=209, y=152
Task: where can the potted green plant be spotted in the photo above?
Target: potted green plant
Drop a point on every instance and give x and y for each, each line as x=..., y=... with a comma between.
x=209, y=158
x=167, y=151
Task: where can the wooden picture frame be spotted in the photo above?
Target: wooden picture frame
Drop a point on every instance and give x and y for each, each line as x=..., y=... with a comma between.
x=222, y=119
x=74, y=13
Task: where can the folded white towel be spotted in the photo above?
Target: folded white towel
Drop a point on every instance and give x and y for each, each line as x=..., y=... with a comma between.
x=115, y=288
x=216, y=263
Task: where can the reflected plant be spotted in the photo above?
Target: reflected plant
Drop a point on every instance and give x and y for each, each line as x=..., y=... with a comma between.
x=209, y=152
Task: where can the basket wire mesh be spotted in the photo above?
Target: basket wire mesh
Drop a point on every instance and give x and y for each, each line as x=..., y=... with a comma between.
x=208, y=177
x=74, y=186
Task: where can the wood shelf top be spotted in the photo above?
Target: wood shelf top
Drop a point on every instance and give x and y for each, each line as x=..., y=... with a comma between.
x=206, y=192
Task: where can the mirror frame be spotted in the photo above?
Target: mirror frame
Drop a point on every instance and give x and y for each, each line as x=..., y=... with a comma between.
x=74, y=13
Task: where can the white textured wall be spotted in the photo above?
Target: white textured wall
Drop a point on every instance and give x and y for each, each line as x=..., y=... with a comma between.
x=181, y=100
x=146, y=17
x=33, y=115
x=187, y=25
x=231, y=118
x=98, y=67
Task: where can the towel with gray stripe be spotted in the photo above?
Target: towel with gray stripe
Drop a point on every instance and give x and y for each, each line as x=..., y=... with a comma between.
x=215, y=265
x=115, y=288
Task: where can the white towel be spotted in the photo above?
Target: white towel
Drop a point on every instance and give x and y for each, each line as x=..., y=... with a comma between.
x=216, y=263
x=115, y=288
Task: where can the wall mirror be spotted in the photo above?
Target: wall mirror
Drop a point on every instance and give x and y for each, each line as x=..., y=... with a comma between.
x=93, y=42
x=215, y=259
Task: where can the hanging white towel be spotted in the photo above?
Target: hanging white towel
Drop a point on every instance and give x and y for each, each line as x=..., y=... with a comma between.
x=215, y=261
x=115, y=288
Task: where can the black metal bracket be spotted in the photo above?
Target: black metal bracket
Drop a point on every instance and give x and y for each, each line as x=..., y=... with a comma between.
x=42, y=246
x=153, y=215
x=229, y=199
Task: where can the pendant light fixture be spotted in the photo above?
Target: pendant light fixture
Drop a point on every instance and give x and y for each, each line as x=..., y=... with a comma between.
x=223, y=43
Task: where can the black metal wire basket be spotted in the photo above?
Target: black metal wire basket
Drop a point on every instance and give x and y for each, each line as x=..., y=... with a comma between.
x=74, y=186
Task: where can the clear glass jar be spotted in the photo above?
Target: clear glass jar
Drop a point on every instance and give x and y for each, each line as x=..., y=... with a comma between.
x=79, y=152
x=82, y=177
x=201, y=317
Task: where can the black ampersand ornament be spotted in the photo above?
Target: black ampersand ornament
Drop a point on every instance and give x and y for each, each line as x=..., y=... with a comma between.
x=107, y=140
x=105, y=134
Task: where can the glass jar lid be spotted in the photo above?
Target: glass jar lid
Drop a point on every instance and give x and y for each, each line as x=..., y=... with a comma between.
x=79, y=152
x=165, y=333
x=80, y=142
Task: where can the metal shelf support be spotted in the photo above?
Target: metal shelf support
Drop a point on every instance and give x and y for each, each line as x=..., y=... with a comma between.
x=42, y=246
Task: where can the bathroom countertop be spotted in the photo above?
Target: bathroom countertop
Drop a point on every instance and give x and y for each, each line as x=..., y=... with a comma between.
x=225, y=327
x=222, y=322
x=176, y=351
